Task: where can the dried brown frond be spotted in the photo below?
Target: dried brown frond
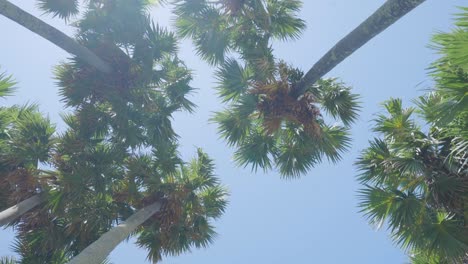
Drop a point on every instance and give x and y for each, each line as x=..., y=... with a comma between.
x=277, y=105
x=22, y=183
x=171, y=214
x=233, y=7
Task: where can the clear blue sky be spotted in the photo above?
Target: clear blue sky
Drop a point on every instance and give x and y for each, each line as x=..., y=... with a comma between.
x=313, y=219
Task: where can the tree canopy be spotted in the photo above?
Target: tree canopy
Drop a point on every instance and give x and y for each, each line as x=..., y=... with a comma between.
x=416, y=180
x=118, y=155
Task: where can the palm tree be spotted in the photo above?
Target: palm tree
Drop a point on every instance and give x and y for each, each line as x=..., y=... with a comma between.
x=268, y=127
x=101, y=248
x=55, y=36
x=26, y=140
x=174, y=221
x=412, y=185
x=273, y=117
x=271, y=128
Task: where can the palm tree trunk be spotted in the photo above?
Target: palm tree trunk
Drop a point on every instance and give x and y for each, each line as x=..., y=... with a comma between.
x=53, y=35
x=98, y=251
x=12, y=213
x=386, y=15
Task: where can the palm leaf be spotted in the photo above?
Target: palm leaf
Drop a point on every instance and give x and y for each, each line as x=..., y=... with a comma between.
x=60, y=8
x=6, y=85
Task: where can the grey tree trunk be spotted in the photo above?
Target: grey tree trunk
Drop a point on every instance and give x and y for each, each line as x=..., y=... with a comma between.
x=98, y=251
x=14, y=212
x=386, y=15
x=53, y=35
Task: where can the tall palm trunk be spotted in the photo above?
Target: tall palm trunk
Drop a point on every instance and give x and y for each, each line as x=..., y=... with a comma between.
x=52, y=34
x=14, y=212
x=386, y=15
x=97, y=252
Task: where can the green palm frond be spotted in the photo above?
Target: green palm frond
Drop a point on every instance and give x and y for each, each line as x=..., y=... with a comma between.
x=8, y=260
x=460, y=148
x=206, y=26
x=451, y=44
x=255, y=150
x=424, y=258
x=376, y=204
x=235, y=123
x=121, y=21
x=7, y=85
x=203, y=168
x=296, y=153
x=398, y=123
x=430, y=105
x=175, y=81
x=400, y=209
x=284, y=23
x=334, y=141
x=166, y=157
x=338, y=101
x=445, y=237
x=213, y=43
x=372, y=164
x=214, y=201
x=233, y=80
x=450, y=72
x=162, y=41
x=60, y=8
x=219, y=27
x=156, y=44
x=231, y=127
x=30, y=136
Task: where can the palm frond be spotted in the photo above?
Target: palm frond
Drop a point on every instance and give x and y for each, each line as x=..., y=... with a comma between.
x=283, y=17
x=338, y=101
x=296, y=153
x=255, y=150
x=334, y=141
x=372, y=164
x=7, y=85
x=60, y=8
x=8, y=260
x=233, y=80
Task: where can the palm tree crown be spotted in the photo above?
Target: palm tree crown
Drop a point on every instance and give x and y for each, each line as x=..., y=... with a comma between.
x=411, y=182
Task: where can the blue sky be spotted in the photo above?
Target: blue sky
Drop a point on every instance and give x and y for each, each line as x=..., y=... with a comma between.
x=313, y=219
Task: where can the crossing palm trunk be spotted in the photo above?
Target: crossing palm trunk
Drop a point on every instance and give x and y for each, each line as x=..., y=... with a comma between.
x=98, y=251
x=390, y=12
x=53, y=35
x=14, y=212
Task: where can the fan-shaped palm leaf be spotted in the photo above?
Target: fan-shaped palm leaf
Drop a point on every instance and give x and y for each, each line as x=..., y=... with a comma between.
x=7, y=85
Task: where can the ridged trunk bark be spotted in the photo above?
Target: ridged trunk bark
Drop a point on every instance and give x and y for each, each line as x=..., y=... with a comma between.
x=386, y=15
x=14, y=212
x=98, y=251
x=53, y=35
